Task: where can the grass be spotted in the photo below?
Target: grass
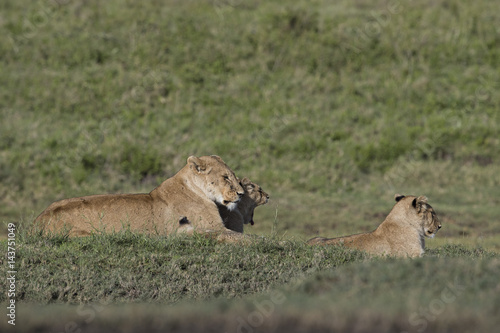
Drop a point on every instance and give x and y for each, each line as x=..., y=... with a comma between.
x=159, y=269
x=126, y=281
x=332, y=108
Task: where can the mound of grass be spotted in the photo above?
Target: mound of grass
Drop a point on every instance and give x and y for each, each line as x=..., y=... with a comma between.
x=135, y=283
x=126, y=267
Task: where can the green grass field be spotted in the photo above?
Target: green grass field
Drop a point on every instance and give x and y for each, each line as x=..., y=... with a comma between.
x=128, y=282
x=332, y=107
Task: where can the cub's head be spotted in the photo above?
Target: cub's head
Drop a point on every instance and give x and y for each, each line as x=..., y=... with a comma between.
x=254, y=192
x=254, y=196
x=417, y=209
x=216, y=180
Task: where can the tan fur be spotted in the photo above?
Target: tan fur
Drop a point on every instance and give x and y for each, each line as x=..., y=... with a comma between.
x=401, y=234
x=190, y=195
x=243, y=214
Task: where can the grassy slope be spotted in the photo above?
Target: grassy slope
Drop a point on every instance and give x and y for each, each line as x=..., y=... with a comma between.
x=134, y=268
x=332, y=108
x=195, y=284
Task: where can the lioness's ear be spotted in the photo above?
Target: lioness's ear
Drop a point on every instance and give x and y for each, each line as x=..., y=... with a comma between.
x=193, y=161
x=217, y=158
x=398, y=197
x=196, y=164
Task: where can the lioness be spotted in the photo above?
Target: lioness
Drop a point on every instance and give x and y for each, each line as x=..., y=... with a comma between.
x=400, y=234
x=243, y=214
x=190, y=195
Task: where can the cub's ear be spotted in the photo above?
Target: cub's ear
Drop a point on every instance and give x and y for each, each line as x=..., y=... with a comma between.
x=196, y=164
x=245, y=181
x=419, y=202
x=398, y=197
x=422, y=199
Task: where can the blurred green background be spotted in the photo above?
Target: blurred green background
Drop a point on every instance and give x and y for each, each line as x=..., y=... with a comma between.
x=331, y=107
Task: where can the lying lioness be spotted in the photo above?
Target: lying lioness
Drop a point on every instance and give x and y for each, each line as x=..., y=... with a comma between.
x=400, y=234
x=190, y=195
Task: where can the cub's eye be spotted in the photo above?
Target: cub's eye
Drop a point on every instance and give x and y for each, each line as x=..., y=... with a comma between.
x=226, y=178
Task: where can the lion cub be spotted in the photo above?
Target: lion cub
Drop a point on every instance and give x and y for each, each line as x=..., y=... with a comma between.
x=401, y=234
x=243, y=214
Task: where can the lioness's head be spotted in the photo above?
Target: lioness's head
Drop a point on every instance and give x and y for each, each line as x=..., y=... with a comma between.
x=417, y=208
x=254, y=196
x=216, y=180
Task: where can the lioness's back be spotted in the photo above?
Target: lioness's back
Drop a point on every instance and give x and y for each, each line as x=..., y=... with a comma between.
x=97, y=212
